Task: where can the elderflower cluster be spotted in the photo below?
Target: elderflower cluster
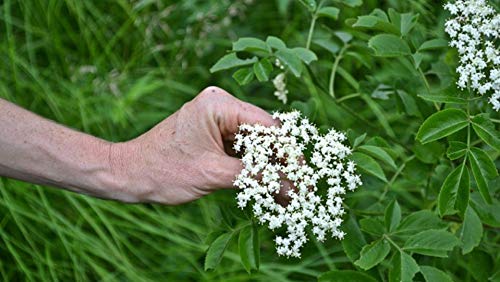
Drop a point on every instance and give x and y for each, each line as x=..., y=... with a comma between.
x=473, y=29
x=280, y=83
x=297, y=153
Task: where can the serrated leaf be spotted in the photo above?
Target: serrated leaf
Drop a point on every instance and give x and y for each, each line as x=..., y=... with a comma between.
x=263, y=69
x=378, y=153
x=455, y=191
x=373, y=254
x=433, y=44
x=471, y=231
x=432, y=274
x=250, y=44
x=275, y=43
x=231, y=61
x=289, y=59
x=369, y=165
x=392, y=216
x=328, y=44
x=456, y=150
x=442, y=124
x=483, y=169
x=375, y=23
x=403, y=22
x=404, y=267
x=249, y=247
x=307, y=56
x=216, y=251
x=486, y=130
x=243, y=76
x=431, y=243
x=329, y=12
x=419, y=221
x=389, y=45
x=345, y=276
x=354, y=239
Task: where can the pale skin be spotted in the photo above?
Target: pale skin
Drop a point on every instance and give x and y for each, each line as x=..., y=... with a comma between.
x=181, y=159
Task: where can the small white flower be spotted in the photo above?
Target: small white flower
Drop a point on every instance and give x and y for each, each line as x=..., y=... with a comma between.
x=280, y=85
x=473, y=29
x=269, y=153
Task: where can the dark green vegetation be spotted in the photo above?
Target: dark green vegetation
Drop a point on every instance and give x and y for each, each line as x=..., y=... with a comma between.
x=429, y=209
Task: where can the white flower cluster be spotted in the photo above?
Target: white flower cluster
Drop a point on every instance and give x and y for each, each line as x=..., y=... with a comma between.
x=473, y=29
x=280, y=84
x=272, y=155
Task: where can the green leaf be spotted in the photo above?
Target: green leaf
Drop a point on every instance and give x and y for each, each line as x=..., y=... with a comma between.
x=486, y=130
x=289, y=59
x=456, y=150
x=373, y=254
x=404, y=267
x=483, y=169
x=262, y=69
x=442, y=124
x=250, y=44
x=231, y=61
x=431, y=243
x=417, y=59
x=328, y=44
x=429, y=153
x=433, y=44
x=455, y=191
x=403, y=22
x=389, y=45
x=432, y=274
x=307, y=56
x=329, y=12
x=243, y=76
x=419, y=221
x=409, y=103
x=249, y=247
x=369, y=165
x=216, y=251
x=354, y=239
x=375, y=23
x=378, y=153
x=359, y=140
x=275, y=43
x=345, y=276
x=351, y=3
x=471, y=231
x=392, y=216
x=372, y=225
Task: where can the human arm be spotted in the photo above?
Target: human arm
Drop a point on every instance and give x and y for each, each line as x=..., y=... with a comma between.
x=179, y=160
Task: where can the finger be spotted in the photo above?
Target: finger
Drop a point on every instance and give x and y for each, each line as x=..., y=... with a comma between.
x=233, y=112
x=227, y=168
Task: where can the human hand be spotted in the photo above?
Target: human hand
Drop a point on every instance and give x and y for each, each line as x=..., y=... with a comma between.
x=187, y=155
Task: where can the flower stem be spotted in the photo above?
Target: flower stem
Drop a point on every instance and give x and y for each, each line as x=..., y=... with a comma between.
x=311, y=31
x=334, y=70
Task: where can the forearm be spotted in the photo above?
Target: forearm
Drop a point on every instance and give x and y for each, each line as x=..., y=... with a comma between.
x=37, y=150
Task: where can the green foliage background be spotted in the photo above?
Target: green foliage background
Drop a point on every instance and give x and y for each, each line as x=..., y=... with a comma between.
x=428, y=210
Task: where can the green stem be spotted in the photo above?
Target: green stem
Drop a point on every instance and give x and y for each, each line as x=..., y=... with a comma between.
x=392, y=242
x=393, y=178
x=311, y=31
x=334, y=70
x=348, y=97
x=427, y=86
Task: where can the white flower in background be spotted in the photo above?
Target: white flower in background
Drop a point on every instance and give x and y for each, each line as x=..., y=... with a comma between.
x=473, y=29
x=272, y=154
x=280, y=85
